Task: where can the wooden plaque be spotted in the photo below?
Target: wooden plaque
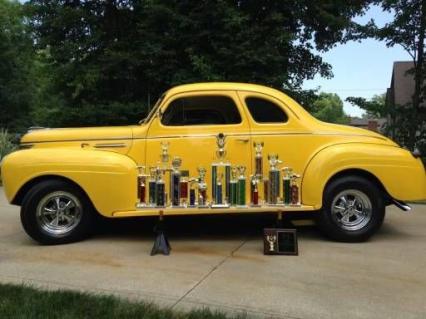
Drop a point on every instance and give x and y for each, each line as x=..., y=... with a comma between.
x=280, y=241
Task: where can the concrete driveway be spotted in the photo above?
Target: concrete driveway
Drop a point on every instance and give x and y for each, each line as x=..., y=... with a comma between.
x=217, y=262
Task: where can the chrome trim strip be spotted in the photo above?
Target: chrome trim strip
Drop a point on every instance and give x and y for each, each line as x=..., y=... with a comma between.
x=110, y=145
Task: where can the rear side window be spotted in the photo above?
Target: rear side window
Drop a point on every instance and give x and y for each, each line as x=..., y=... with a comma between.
x=201, y=110
x=265, y=111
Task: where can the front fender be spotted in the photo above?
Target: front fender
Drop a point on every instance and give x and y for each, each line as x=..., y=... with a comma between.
x=108, y=178
x=402, y=175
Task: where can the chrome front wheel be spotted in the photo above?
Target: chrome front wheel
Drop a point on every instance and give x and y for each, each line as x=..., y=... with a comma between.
x=351, y=209
x=59, y=213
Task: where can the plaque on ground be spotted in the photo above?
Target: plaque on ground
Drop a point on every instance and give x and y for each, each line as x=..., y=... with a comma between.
x=280, y=241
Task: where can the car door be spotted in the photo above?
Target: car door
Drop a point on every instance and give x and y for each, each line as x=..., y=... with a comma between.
x=189, y=125
x=281, y=132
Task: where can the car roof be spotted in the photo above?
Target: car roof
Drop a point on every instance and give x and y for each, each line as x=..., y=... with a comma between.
x=223, y=86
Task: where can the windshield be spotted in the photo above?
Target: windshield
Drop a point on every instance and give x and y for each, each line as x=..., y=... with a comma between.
x=153, y=110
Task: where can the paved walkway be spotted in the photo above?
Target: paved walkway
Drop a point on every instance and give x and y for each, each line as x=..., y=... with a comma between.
x=218, y=262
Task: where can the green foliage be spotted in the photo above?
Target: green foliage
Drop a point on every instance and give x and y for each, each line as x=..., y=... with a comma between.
x=107, y=59
x=6, y=143
x=16, y=78
x=375, y=107
x=329, y=108
x=24, y=302
x=408, y=30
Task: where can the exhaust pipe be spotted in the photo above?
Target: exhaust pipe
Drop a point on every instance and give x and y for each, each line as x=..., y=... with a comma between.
x=401, y=205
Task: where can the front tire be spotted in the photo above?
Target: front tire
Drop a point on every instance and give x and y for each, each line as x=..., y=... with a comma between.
x=353, y=209
x=56, y=212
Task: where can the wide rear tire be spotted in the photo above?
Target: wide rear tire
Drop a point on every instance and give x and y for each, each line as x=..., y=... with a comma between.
x=353, y=209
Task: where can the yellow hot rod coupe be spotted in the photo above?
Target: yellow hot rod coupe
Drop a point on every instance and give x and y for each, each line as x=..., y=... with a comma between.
x=211, y=148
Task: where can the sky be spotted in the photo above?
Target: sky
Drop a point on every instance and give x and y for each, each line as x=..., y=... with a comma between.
x=360, y=69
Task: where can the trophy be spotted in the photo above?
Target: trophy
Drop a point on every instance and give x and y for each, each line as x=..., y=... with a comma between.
x=266, y=194
x=271, y=241
x=221, y=175
x=160, y=188
x=141, y=186
x=151, y=186
x=241, y=187
x=193, y=185
x=175, y=181
x=258, y=159
x=274, y=179
x=164, y=153
x=254, y=190
x=183, y=187
x=295, y=190
x=233, y=186
x=287, y=172
x=202, y=187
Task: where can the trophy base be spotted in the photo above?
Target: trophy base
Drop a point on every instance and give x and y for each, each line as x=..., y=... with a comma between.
x=141, y=205
x=203, y=206
x=178, y=206
x=241, y=206
x=220, y=206
x=255, y=205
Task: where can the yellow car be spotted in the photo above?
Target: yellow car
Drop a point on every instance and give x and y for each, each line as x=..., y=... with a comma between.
x=211, y=148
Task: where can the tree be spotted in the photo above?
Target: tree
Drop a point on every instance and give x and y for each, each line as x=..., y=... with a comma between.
x=111, y=58
x=329, y=108
x=375, y=107
x=16, y=73
x=408, y=30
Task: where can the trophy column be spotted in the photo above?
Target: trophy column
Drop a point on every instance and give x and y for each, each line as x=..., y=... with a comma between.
x=221, y=176
x=274, y=179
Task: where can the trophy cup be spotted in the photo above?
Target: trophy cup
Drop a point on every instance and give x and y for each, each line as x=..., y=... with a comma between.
x=202, y=188
x=160, y=188
x=295, y=200
x=193, y=185
x=287, y=172
x=258, y=159
x=164, y=156
x=220, y=170
x=271, y=241
x=151, y=186
x=141, y=186
x=241, y=187
x=254, y=190
x=274, y=179
x=175, y=181
x=184, y=188
x=233, y=186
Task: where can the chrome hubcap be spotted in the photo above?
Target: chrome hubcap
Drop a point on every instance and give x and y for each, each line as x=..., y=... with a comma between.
x=58, y=213
x=351, y=209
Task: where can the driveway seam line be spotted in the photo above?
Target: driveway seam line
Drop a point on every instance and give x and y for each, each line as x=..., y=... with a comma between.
x=220, y=263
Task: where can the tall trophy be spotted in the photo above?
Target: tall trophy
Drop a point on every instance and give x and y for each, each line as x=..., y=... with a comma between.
x=258, y=159
x=221, y=175
x=295, y=197
x=274, y=179
x=141, y=186
x=241, y=187
x=193, y=182
x=287, y=172
x=151, y=186
x=202, y=188
x=175, y=177
x=233, y=186
x=254, y=190
x=184, y=188
x=160, y=191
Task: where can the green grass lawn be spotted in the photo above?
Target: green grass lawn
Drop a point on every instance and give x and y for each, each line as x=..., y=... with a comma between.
x=26, y=302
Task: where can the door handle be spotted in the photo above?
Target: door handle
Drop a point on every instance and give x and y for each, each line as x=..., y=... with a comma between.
x=243, y=140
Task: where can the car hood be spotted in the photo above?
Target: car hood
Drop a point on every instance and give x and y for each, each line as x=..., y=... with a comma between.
x=78, y=134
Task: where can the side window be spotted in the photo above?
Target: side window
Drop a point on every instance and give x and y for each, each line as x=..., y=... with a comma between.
x=264, y=111
x=201, y=110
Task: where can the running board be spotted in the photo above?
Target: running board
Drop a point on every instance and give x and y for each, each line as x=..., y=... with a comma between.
x=401, y=205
